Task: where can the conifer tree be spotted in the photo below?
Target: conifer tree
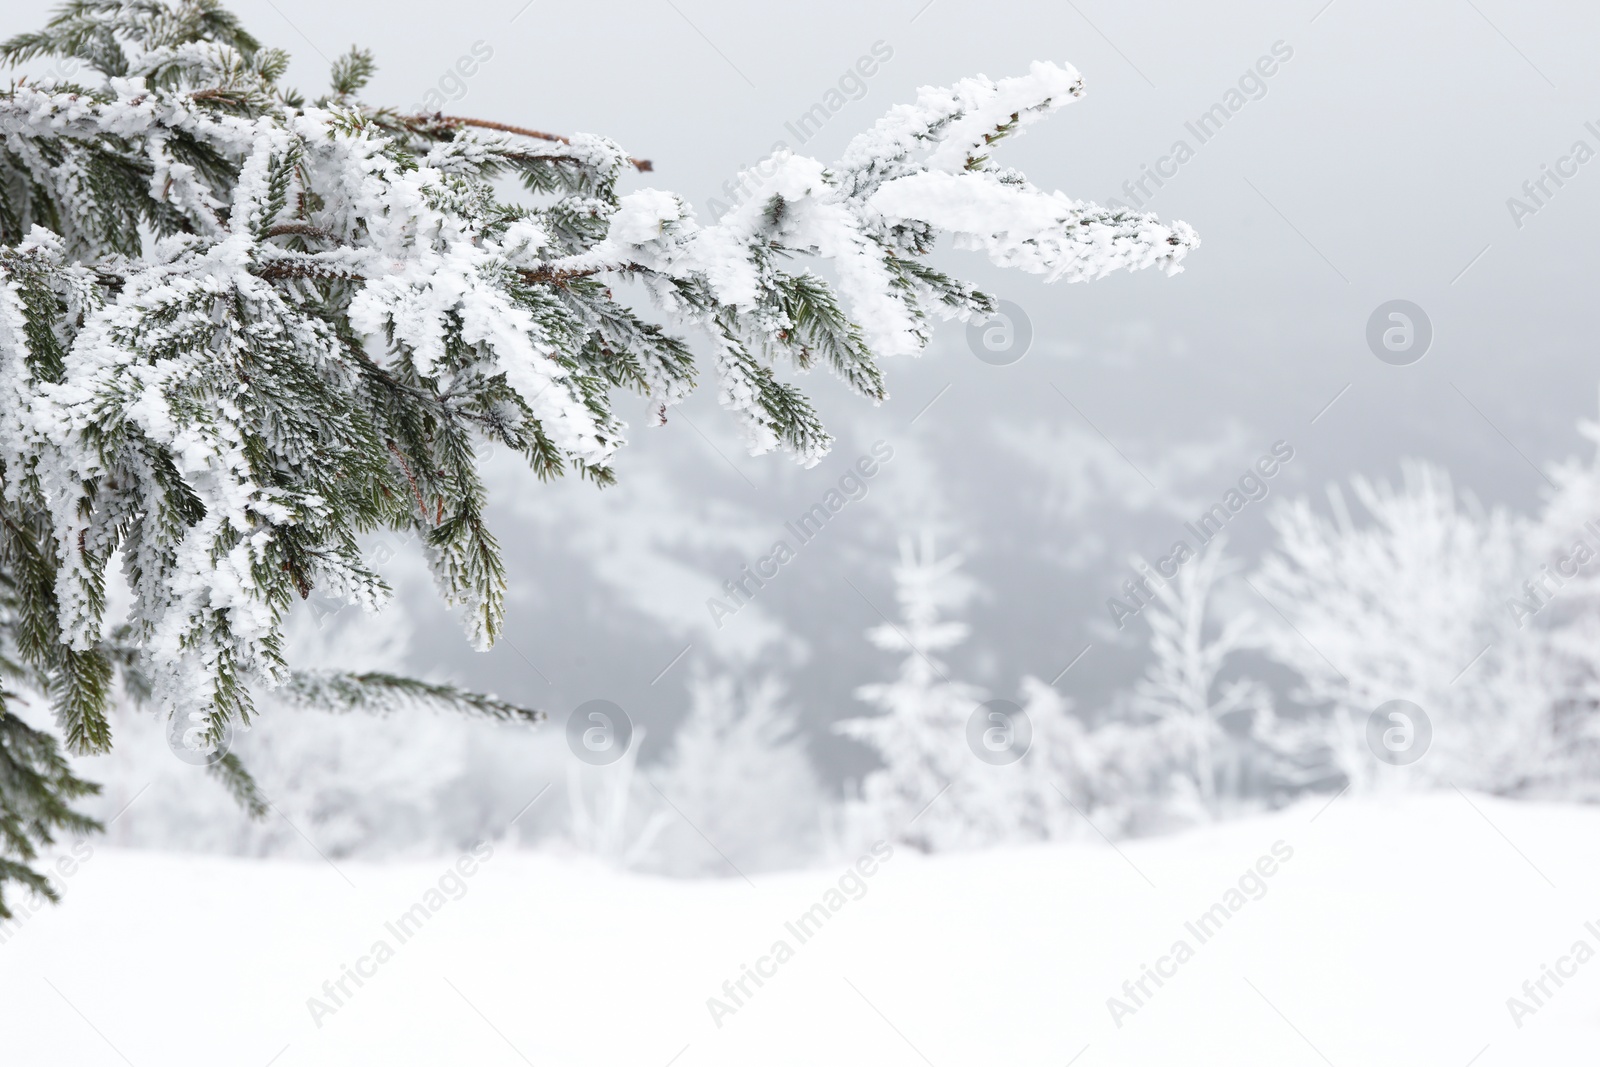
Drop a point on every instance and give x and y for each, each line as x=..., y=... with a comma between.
x=1181, y=688
x=934, y=792
x=738, y=774
x=240, y=328
x=920, y=731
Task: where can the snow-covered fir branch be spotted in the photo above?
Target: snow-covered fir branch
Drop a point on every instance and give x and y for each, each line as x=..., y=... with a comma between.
x=240, y=328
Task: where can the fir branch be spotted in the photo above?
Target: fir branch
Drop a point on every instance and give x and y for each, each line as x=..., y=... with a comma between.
x=351, y=72
x=377, y=692
x=239, y=332
x=240, y=784
x=819, y=324
x=37, y=788
x=435, y=120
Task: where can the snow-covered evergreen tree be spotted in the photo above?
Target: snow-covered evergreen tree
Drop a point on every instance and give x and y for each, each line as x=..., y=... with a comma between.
x=920, y=731
x=1411, y=605
x=738, y=780
x=933, y=791
x=1047, y=794
x=1181, y=691
x=238, y=328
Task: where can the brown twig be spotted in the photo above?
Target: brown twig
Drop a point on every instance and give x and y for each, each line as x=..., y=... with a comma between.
x=282, y=271
x=422, y=507
x=217, y=94
x=301, y=229
x=546, y=275
x=273, y=272
x=301, y=582
x=520, y=131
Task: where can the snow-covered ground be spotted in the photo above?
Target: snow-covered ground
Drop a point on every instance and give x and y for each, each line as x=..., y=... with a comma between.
x=1393, y=933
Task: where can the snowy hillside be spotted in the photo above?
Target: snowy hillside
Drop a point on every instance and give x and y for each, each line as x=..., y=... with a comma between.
x=1386, y=933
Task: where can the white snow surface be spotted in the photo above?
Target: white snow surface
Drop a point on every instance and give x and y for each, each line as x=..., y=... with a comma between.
x=1393, y=936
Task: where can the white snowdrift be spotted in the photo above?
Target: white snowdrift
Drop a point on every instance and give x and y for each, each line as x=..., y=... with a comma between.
x=1394, y=934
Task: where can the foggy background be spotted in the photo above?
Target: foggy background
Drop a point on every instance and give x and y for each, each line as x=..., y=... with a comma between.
x=1376, y=165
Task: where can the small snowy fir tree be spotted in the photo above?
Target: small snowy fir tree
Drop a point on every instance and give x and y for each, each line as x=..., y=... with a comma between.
x=933, y=792
x=738, y=781
x=920, y=733
x=1181, y=690
x=239, y=327
x=1046, y=794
